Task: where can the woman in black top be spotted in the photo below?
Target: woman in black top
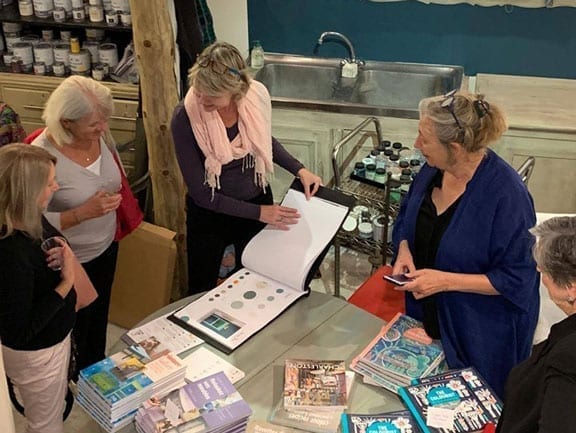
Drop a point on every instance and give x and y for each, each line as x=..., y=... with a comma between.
x=37, y=303
x=540, y=392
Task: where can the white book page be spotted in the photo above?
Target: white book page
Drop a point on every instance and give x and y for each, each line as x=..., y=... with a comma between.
x=238, y=308
x=287, y=256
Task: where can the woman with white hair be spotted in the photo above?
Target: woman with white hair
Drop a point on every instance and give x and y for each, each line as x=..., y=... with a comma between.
x=541, y=391
x=84, y=208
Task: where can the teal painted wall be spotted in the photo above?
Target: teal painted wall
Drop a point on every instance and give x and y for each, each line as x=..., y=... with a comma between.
x=496, y=40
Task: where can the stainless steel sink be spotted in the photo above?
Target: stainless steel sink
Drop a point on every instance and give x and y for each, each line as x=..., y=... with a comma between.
x=380, y=88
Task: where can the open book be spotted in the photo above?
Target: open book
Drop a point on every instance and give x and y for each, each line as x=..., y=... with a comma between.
x=278, y=266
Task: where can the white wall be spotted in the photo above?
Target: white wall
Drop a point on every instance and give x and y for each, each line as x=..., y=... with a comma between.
x=231, y=22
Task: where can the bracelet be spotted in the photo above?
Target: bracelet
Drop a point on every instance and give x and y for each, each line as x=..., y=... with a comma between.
x=75, y=215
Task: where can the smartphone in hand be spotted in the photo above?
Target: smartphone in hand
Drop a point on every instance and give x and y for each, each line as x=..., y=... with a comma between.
x=399, y=279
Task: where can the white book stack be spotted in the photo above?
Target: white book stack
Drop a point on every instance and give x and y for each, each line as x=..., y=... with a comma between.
x=112, y=389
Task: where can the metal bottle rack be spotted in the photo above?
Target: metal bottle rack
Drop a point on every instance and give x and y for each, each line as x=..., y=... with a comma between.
x=368, y=195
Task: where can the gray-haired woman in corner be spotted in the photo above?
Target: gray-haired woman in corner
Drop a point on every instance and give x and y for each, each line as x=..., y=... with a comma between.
x=84, y=208
x=540, y=392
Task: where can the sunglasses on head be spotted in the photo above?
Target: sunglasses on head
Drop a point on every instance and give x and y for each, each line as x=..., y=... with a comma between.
x=206, y=60
x=448, y=104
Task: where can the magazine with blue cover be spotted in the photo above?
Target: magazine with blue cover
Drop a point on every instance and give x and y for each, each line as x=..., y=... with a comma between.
x=125, y=374
x=458, y=401
x=400, y=421
x=400, y=353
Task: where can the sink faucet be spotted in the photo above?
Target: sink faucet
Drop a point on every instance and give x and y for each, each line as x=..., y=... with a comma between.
x=350, y=65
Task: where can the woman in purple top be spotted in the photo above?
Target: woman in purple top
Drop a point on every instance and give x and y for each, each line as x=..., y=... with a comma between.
x=226, y=152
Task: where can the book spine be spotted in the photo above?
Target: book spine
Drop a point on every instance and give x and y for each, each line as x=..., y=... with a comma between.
x=414, y=410
x=344, y=423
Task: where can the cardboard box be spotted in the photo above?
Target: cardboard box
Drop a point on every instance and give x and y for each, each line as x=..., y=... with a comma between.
x=144, y=274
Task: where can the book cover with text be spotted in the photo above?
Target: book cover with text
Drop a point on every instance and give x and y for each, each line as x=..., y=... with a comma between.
x=314, y=384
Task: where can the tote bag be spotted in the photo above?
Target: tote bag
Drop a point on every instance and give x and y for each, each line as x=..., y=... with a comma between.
x=128, y=215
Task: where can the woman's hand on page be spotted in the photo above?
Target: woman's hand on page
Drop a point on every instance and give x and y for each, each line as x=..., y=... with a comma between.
x=310, y=182
x=278, y=216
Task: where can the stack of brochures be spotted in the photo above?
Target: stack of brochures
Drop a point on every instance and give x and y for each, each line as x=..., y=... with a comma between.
x=209, y=405
x=400, y=353
x=315, y=394
x=457, y=401
x=112, y=389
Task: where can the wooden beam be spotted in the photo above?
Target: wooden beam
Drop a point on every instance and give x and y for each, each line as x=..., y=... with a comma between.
x=154, y=46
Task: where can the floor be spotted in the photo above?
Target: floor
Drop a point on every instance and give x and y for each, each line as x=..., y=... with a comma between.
x=355, y=268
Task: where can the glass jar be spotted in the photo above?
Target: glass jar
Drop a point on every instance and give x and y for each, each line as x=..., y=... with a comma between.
x=360, y=169
x=393, y=167
x=370, y=171
x=380, y=175
x=397, y=146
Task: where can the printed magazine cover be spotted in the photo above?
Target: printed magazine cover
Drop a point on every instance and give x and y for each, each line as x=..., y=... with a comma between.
x=211, y=403
x=452, y=402
x=400, y=421
x=399, y=353
x=314, y=384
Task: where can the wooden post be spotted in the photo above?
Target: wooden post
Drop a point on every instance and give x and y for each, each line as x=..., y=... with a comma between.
x=154, y=46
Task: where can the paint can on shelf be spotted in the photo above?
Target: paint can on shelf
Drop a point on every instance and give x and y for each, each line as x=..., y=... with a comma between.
x=31, y=39
x=14, y=28
x=25, y=8
x=39, y=68
x=43, y=8
x=65, y=35
x=64, y=4
x=59, y=69
x=59, y=14
x=96, y=14
x=11, y=39
x=43, y=53
x=92, y=46
x=80, y=63
x=111, y=17
x=23, y=50
x=95, y=35
x=108, y=54
x=62, y=53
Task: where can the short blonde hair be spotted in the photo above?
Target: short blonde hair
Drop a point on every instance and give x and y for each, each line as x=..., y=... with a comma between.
x=481, y=123
x=24, y=171
x=74, y=98
x=235, y=80
x=555, y=250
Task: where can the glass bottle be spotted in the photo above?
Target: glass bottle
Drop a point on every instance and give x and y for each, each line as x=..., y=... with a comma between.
x=257, y=56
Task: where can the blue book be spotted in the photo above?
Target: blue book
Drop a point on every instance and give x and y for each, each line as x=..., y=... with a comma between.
x=400, y=421
x=458, y=401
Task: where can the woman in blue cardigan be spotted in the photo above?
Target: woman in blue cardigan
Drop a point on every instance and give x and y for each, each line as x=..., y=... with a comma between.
x=462, y=235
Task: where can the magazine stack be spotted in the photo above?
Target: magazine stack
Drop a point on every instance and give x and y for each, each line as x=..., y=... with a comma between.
x=400, y=353
x=208, y=405
x=112, y=390
x=314, y=396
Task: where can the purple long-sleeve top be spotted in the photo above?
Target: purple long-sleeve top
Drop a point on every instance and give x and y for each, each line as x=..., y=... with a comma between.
x=236, y=181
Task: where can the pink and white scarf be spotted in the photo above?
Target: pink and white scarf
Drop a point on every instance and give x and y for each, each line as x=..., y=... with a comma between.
x=253, y=142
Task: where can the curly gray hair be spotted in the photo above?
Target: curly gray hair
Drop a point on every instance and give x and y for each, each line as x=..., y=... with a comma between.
x=555, y=251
